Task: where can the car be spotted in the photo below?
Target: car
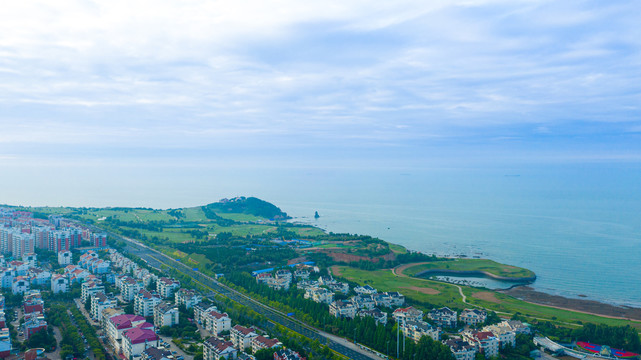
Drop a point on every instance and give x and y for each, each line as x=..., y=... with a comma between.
x=174, y=352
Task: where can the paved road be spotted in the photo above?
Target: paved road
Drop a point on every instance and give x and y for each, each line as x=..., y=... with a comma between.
x=340, y=345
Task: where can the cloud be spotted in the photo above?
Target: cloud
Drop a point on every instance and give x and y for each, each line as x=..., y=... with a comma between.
x=249, y=74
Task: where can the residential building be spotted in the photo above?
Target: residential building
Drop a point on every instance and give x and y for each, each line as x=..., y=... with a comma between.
x=119, y=324
x=165, y=314
x=215, y=322
x=379, y=316
x=415, y=330
x=503, y=332
x=187, y=297
x=166, y=287
x=64, y=258
x=144, y=302
x=445, y=317
x=287, y=354
x=242, y=337
x=154, y=353
x=365, y=290
x=59, y=283
x=461, y=349
x=339, y=287
x=20, y=285
x=473, y=317
x=33, y=323
x=484, y=342
x=38, y=276
x=342, y=309
x=216, y=349
x=129, y=287
x=261, y=342
x=90, y=287
x=319, y=295
x=201, y=309
x=396, y=298
x=363, y=302
x=136, y=340
x=407, y=314
x=99, y=302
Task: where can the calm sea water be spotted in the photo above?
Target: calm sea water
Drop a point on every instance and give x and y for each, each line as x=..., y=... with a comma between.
x=578, y=227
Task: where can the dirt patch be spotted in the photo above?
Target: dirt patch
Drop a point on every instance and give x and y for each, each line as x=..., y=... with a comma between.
x=336, y=271
x=348, y=257
x=528, y=294
x=297, y=260
x=487, y=296
x=424, y=290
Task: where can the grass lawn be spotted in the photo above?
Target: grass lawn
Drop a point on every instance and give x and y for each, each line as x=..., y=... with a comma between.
x=489, y=266
x=194, y=214
x=397, y=249
x=240, y=217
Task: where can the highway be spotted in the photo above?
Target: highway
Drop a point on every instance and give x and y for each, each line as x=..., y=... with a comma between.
x=340, y=345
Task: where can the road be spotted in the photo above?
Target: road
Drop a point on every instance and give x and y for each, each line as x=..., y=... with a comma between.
x=340, y=345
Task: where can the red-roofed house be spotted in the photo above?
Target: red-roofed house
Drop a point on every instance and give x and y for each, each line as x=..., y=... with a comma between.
x=216, y=322
x=136, y=340
x=242, y=337
x=216, y=349
x=119, y=324
x=261, y=342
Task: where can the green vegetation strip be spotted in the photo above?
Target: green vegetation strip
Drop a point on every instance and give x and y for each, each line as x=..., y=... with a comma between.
x=482, y=265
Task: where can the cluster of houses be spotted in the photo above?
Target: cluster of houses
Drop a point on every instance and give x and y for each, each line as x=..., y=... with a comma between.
x=487, y=340
x=368, y=302
x=32, y=321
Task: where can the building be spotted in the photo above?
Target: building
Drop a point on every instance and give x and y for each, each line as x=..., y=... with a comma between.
x=118, y=324
x=365, y=290
x=144, y=303
x=99, y=240
x=38, y=276
x=166, y=287
x=99, y=302
x=33, y=323
x=484, y=341
x=415, y=330
x=503, y=332
x=64, y=258
x=319, y=295
x=396, y=298
x=136, y=340
x=215, y=322
x=20, y=285
x=261, y=342
x=379, y=316
x=443, y=317
x=461, y=349
x=90, y=288
x=129, y=287
x=154, y=353
x=342, y=309
x=216, y=349
x=187, y=297
x=407, y=314
x=242, y=337
x=166, y=314
x=473, y=317
x=287, y=354
x=364, y=302
x=59, y=283
x=201, y=309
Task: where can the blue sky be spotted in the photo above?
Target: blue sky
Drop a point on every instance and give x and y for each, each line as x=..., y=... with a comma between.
x=348, y=84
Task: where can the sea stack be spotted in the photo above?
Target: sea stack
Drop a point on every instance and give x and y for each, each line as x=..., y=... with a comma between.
x=316, y=216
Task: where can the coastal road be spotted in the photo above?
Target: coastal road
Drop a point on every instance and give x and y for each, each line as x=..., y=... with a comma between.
x=340, y=345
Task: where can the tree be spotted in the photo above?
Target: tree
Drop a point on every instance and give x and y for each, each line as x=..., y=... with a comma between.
x=264, y=354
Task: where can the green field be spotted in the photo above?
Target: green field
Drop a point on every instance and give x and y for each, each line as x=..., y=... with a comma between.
x=485, y=265
x=422, y=290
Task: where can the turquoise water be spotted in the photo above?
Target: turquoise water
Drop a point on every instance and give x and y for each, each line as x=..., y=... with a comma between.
x=577, y=227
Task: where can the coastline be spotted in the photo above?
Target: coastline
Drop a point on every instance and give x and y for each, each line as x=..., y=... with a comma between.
x=592, y=307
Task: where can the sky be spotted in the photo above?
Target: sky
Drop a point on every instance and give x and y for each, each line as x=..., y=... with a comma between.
x=91, y=90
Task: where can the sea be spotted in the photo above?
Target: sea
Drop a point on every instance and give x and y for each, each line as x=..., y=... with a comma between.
x=578, y=227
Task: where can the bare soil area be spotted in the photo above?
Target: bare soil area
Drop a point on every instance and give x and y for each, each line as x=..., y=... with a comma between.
x=526, y=293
